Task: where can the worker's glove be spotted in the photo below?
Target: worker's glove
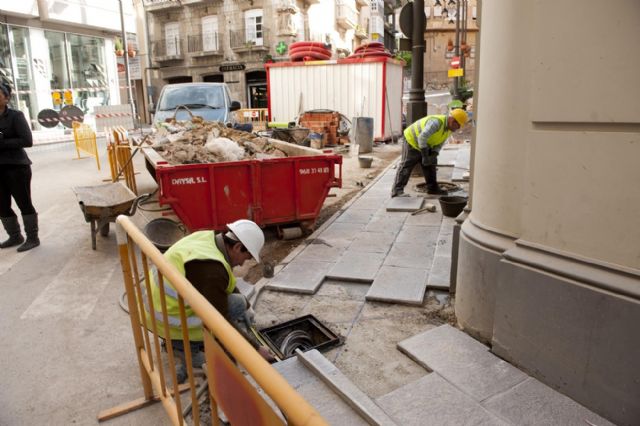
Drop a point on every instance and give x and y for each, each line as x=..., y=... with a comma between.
x=249, y=317
x=429, y=157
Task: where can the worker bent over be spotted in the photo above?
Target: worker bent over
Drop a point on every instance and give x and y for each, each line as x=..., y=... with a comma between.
x=206, y=259
x=424, y=140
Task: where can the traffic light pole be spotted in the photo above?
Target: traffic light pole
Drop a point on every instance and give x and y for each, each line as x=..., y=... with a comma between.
x=417, y=107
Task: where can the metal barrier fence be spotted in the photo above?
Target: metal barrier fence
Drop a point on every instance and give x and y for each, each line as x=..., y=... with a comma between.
x=120, y=155
x=228, y=388
x=256, y=116
x=85, y=139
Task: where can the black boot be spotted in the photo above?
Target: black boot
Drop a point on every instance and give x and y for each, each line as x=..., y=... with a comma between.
x=12, y=227
x=31, y=229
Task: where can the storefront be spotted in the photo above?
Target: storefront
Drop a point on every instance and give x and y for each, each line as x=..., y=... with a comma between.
x=53, y=69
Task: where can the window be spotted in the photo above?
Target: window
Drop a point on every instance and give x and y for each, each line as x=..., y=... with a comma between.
x=253, y=26
x=210, y=33
x=6, y=72
x=172, y=36
x=24, y=98
x=57, y=60
x=88, y=72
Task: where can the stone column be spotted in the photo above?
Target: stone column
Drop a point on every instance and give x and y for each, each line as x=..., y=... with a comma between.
x=549, y=258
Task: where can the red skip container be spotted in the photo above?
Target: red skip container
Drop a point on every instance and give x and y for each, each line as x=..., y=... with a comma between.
x=277, y=191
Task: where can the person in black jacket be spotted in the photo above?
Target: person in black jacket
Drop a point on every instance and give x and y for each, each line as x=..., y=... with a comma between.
x=15, y=175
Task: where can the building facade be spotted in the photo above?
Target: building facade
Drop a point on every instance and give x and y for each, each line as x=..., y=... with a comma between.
x=549, y=255
x=440, y=40
x=229, y=41
x=62, y=53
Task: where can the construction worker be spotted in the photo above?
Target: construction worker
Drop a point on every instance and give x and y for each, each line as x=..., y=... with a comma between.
x=206, y=259
x=424, y=140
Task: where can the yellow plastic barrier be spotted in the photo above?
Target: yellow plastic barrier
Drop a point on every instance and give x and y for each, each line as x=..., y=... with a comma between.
x=85, y=139
x=119, y=155
x=256, y=116
x=228, y=388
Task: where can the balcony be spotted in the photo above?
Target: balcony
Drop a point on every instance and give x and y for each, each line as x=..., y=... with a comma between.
x=167, y=50
x=208, y=44
x=346, y=16
x=241, y=42
x=161, y=5
x=361, y=32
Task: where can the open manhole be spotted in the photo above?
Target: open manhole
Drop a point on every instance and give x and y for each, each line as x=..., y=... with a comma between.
x=304, y=333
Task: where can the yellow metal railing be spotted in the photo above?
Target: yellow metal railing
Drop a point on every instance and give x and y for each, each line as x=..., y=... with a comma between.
x=229, y=390
x=85, y=139
x=119, y=154
x=256, y=116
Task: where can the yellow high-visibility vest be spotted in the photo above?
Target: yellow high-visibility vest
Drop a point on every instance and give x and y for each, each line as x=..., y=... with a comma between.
x=438, y=138
x=197, y=246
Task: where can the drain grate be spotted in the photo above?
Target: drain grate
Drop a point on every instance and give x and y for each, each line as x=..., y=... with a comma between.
x=304, y=333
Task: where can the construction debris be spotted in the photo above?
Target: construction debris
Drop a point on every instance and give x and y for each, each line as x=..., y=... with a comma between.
x=193, y=142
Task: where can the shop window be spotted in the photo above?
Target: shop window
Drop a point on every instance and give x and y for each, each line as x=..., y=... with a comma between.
x=6, y=72
x=88, y=72
x=25, y=99
x=253, y=26
x=58, y=60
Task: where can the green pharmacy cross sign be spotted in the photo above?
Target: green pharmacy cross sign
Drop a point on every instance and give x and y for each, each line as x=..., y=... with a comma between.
x=281, y=48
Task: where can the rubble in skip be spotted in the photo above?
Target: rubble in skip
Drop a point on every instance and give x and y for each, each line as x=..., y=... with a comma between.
x=196, y=141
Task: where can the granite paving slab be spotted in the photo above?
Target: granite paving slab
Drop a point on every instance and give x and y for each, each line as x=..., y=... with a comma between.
x=322, y=250
x=334, y=378
x=440, y=273
x=447, y=157
x=356, y=216
x=410, y=255
x=245, y=288
x=462, y=361
x=431, y=400
x=463, y=160
x=418, y=235
x=425, y=218
x=390, y=222
x=445, y=242
x=533, y=403
x=330, y=405
x=404, y=204
x=372, y=242
x=356, y=266
x=368, y=202
x=300, y=276
x=347, y=231
x=399, y=285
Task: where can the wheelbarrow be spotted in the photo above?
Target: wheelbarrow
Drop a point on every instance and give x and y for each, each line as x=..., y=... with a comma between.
x=102, y=204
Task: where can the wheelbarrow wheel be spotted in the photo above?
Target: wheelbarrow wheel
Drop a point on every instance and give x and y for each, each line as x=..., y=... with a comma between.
x=104, y=230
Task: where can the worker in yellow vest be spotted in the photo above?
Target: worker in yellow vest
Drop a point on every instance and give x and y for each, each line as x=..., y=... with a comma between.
x=424, y=140
x=207, y=260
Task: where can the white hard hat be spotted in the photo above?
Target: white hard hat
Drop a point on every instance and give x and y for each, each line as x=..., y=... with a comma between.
x=249, y=234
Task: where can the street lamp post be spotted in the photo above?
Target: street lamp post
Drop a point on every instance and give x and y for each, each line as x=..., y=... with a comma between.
x=416, y=107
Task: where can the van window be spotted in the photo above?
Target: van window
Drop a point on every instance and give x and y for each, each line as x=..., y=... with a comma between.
x=192, y=97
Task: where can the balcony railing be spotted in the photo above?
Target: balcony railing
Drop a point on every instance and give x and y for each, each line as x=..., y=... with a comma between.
x=161, y=5
x=167, y=49
x=205, y=44
x=241, y=43
x=346, y=15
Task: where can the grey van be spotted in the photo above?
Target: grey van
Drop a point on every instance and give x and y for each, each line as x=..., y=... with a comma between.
x=211, y=101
